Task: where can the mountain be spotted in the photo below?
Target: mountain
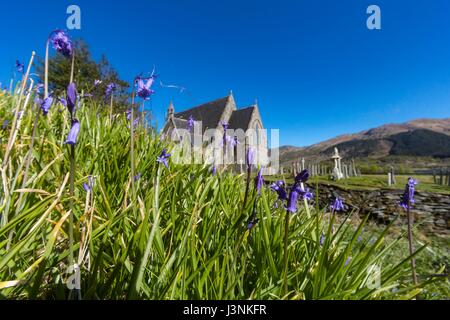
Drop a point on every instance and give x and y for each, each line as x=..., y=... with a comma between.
x=421, y=137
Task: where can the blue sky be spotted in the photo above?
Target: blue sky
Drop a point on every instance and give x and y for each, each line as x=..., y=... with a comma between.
x=314, y=67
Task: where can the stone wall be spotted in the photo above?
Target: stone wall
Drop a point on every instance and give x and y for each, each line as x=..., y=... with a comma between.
x=431, y=210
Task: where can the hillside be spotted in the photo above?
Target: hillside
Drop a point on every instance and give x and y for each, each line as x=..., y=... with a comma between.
x=421, y=137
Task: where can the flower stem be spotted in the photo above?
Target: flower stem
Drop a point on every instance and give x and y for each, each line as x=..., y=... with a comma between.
x=111, y=108
x=46, y=70
x=71, y=193
x=132, y=141
x=286, y=234
x=72, y=66
x=411, y=244
x=247, y=186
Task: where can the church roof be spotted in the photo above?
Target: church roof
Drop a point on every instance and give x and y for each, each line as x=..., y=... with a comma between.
x=209, y=113
x=240, y=119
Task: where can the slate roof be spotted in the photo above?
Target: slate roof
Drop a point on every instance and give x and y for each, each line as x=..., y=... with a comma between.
x=240, y=119
x=210, y=113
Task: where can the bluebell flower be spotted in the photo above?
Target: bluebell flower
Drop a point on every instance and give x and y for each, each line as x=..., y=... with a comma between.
x=71, y=97
x=110, y=88
x=163, y=157
x=190, y=123
x=322, y=239
x=73, y=133
x=259, y=181
x=337, y=205
x=252, y=223
x=61, y=43
x=408, y=194
x=302, y=177
x=144, y=87
x=45, y=104
x=19, y=66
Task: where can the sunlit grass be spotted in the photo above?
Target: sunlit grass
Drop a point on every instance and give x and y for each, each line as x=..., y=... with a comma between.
x=181, y=234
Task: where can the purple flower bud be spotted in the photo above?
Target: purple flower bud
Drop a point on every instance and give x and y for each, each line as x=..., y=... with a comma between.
x=5, y=124
x=163, y=158
x=63, y=101
x=250, y=156
x=73, y=133
x=86, y=187
x=213, y=170
x=71, y=97
x=45, y=104
x=252, y=223
x=347, y=261
x=259, y=181
x=225, y=125
x=292, y=203
x=97, y=82
x=302, y=176
x=190, y=123
x=19, y=66
x=322, y=239
x=137, y=177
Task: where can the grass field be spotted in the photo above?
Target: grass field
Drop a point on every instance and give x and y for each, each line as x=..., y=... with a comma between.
x=372, y=182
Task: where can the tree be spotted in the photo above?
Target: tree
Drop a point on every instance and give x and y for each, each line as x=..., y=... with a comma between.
x=86, y=71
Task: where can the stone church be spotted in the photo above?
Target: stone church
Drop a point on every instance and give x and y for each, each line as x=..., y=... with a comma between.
x=211, y=115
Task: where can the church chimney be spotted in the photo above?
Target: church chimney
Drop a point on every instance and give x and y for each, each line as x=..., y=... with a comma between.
x=170, y=111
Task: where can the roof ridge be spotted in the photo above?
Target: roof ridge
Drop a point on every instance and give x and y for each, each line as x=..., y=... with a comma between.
x=203, y=104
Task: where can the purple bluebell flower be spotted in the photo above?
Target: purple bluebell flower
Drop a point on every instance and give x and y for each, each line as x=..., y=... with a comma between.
x=213, y=169
x=128, y=113
x=347, y=261
x=190, y=123
x=252, y=223
x=71, y=97
x=137, y=177
x=19, y=66
x=306, y=193
x=259, y=181
x=5, y=124
x=97, y=82
x=63, y=101
x=322, y=239
x=163, y=158
x=250, y=157
x=225, y=125
x=61, y=43
x=302, y=177
x=38, y=87
x=45, y=104
x=90, y=184
x=73, y=133
x=292, y=202
x=278, y=187
x=144, y=90
x=337, y=205
x=110, y=88
x=408, y=194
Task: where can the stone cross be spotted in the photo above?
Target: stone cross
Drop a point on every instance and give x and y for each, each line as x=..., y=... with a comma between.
x=337, y=171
